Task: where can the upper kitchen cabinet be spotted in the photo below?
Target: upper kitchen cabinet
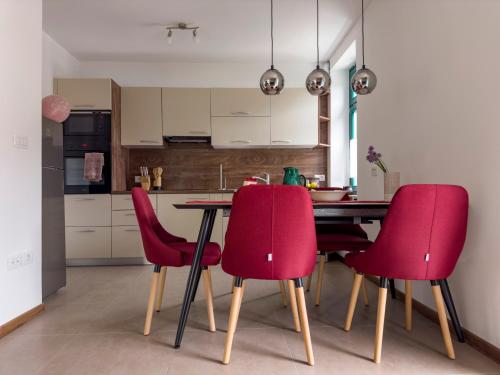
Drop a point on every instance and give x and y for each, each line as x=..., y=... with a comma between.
x=84, y=93
x=294, y=118
x=238, y=132
x=141, y=117
x=186, y=112
x=240, y=102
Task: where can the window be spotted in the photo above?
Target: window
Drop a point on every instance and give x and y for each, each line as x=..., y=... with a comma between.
x=353, y=133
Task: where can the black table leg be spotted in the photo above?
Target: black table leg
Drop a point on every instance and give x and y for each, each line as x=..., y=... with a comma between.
x=203, y=237
x=445, y=290
x=392, y=286
x=196, y=283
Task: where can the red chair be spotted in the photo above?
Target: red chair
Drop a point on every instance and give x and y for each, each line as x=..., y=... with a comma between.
x=166, y=250
x=270, y=236
x=335, y=238
x=421, y=239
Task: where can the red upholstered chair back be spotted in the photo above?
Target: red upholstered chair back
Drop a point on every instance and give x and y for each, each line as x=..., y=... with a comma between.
x=270, y=234
x=154, y=238
x=423, y=233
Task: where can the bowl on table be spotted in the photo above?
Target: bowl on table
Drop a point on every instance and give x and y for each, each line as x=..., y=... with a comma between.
x=328, y=195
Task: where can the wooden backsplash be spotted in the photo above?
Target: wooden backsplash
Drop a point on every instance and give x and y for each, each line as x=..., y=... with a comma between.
x=196, y=166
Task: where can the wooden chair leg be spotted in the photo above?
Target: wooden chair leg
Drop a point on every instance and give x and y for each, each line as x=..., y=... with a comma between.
x=365, y=292
x=299, y=290
x=319, y=282
x=408, y=305
x=283, y=293
x=308, y=283
x=358, y=278
x=207, y=281
x=161, y=288
x=379, y=329
x=443, y=320
x=293, y=305
x=233, y=319
x=151, y=300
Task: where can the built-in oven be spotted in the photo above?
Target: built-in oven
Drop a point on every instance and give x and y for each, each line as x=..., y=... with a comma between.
x=86, y=132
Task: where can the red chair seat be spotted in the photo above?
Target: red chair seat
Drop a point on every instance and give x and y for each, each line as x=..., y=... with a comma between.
x=211, y=255
x=341, y=241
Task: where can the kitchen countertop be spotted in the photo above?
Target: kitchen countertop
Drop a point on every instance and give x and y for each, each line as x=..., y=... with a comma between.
x=186, y=191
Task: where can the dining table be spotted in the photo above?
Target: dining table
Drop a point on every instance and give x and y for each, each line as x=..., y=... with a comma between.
x=338, y=212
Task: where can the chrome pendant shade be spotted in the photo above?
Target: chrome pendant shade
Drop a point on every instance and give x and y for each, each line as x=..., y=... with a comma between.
x=272, y=81
x=364, y=80
x=318, y=82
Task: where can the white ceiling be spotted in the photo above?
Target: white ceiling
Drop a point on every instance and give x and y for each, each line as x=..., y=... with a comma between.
x=230, y=30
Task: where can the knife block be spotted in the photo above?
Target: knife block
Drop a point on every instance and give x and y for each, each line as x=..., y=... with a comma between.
x=146, y=182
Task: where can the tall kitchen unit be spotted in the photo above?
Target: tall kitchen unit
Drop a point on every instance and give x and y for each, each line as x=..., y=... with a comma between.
x=53, y=239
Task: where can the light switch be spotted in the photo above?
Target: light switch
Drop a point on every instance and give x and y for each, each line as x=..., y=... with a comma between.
x=20, y=141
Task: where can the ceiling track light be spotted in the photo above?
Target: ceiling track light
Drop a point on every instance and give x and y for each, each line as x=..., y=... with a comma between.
x=183, y=27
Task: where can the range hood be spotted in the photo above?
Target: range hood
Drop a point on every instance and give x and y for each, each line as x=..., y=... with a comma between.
x=188, y=139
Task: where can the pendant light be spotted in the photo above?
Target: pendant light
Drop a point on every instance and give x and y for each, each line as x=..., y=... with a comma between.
x=272, y=81
x=318, y=81
x=364, y=80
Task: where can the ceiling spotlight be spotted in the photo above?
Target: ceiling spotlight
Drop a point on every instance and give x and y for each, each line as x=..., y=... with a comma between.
x=182, y=26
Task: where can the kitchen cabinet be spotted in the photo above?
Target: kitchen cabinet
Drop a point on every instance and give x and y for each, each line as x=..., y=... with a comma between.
x=85, y=93
x=88, y=242
x=87, y=210
x=238, y=132
x=294, y=118
x=239, y=102
x=186, y=112
x=182, y=223
x=127, y=242
x=141, y=123
x=124, y=202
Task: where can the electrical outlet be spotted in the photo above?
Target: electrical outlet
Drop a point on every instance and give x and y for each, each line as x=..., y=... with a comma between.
x=137, y=179
x=26, y=258
x=374, y=172
x=320, y=177
x=20, y=259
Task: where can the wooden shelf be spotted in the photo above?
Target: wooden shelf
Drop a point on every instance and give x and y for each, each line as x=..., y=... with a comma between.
x=323, y=119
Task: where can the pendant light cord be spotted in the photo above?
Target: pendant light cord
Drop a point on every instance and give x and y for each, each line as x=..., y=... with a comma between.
x=363, y=30
x=272, y=39
x=317, y=34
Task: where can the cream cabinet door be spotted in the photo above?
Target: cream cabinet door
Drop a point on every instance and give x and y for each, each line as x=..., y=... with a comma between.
x=141, y=116
x=294, y=118
x=124, y=201
x=186, y=112
x=238, y=132
x=88, y=242
x=127, y=242
x=182, y=223
x=240, y=102
x=87, y=210
x=85, y=93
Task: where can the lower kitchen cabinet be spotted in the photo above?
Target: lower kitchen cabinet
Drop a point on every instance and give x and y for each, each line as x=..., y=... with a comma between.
x=127, y=242
x=88, y=242
x=182, y=223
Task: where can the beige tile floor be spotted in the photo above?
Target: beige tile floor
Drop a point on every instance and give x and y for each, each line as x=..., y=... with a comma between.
x=93, y=326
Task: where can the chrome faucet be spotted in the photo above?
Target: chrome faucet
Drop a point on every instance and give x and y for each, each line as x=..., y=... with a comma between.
x=222, y=178
x=266, y=179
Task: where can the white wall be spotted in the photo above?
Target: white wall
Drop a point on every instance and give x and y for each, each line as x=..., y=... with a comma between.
x=434, y=116
x=192, y=74
x=20, y=113
x=56, y=63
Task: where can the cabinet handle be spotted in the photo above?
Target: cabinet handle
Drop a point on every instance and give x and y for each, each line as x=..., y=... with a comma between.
x=130, y=214
x=236, y=113
x=148, y=141
x=84, y=106
x=197, y=199
x=131, y=230
x=282, y=141
x=197, y=132
x=241, y=141
x=86, y=231
x=85, y=199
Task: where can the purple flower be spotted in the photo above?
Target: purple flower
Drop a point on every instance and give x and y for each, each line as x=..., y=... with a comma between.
x=375, y=157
